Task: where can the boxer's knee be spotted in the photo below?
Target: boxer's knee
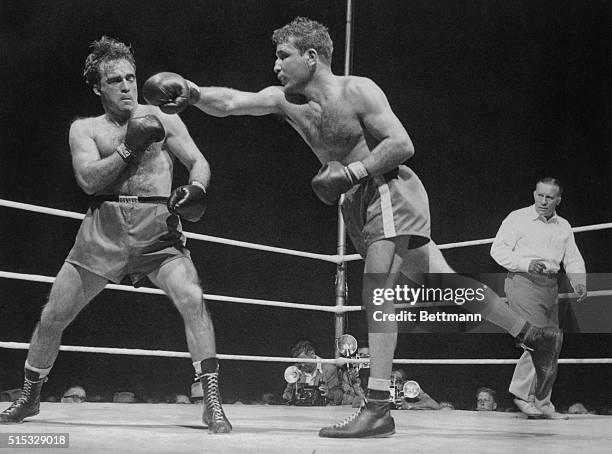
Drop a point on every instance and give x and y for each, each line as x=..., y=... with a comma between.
x=56, y=316
x=190, y=301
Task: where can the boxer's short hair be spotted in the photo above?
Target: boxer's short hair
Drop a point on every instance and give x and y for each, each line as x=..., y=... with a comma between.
x=104, y=50
x=306, y=34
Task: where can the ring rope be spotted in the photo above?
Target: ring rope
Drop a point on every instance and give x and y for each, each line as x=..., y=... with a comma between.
x=195, y=236
x=155, y=291
x=338, y=309
x=280, y=359
x=232, y=299
x=333, y=258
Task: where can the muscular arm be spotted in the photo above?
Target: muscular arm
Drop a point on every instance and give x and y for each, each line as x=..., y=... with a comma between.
x=222, y=102
x=180, y=144
x=394, y=145
x=93, y=173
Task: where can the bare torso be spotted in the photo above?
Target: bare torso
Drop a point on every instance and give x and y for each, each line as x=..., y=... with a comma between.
x=150, y=174
x=332, y=128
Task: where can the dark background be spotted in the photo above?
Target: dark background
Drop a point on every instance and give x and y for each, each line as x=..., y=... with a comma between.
x=494, y=94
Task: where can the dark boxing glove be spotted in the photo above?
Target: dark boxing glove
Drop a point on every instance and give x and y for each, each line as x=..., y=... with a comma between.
x=334, y=179
x=189, y=201
x=170, y=92
x=141, y=133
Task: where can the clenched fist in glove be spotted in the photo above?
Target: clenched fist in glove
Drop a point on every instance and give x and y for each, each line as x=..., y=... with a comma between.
x=334, y=179
x=141, y=133
x=189, y=201
x=170, y=92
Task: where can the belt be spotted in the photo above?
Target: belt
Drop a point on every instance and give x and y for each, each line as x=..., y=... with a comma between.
x=544, y=279
x=97, y=199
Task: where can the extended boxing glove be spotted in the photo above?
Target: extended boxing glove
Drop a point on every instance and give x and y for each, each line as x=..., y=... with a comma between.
x=189, y=201
x=334, y=179
x=141, y=133
x=171, y=92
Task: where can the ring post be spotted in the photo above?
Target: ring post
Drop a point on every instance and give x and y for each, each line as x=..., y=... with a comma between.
x=341, y=286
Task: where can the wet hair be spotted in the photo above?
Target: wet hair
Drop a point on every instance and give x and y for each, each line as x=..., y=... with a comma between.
x=302, y=347
x=306, y=34
x=103, y=51
x=552, y=181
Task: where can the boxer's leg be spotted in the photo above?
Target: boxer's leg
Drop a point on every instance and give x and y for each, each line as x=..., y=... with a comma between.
x=493, y=308
x=179, y=279
x=73, y=288
x=383, y=263
x=543, y=342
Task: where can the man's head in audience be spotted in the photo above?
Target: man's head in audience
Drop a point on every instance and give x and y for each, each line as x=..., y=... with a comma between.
x=485, y=399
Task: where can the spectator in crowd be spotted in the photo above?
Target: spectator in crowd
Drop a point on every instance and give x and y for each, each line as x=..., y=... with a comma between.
x=485, y=399
x=74, y=394
x=351, y=386
x=268, y=399
x=182, y=399
x=10, y=395
x=125, y=397
x=197, y=393
x=445, y=405
x=577, y=409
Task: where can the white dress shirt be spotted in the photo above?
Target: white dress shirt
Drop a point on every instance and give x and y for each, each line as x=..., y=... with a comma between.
x=525, y=235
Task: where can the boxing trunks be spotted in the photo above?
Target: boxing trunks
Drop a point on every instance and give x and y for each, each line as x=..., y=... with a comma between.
x=387, y=206
x=127, y=238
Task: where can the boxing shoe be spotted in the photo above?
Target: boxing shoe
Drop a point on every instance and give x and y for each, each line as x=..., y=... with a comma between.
x=372, y=420
x=27, y=405
x=213, y=415
x=544, y=345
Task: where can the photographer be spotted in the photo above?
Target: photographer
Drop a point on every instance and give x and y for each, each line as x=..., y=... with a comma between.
x=317, y=383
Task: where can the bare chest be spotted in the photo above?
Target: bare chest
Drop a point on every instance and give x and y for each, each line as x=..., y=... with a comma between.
x=148, y=173
x=333, y=129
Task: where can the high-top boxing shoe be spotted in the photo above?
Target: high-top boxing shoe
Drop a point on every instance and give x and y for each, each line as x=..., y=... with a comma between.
x=213, y=416
x=28, y=403
x=544, y=344
x=372, y=420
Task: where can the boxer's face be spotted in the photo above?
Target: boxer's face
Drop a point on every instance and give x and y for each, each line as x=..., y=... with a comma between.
x=117, y=88
x=546, y=198
x=292, y=68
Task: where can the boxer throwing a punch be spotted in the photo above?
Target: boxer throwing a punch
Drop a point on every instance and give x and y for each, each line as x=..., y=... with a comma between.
x=125, y=158
x=351, y=128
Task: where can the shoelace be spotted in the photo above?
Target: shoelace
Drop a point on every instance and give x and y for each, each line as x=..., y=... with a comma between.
x=349, y=419
x=25, y=395
x=212, y=395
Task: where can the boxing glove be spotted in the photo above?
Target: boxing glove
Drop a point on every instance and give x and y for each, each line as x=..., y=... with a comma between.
x=170, y=92
x=141, y=133
x=188, y=202
x=334, y=179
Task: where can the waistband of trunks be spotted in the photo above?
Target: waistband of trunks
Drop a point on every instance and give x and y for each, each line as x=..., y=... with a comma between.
x=97, y=199
x=549, y=278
